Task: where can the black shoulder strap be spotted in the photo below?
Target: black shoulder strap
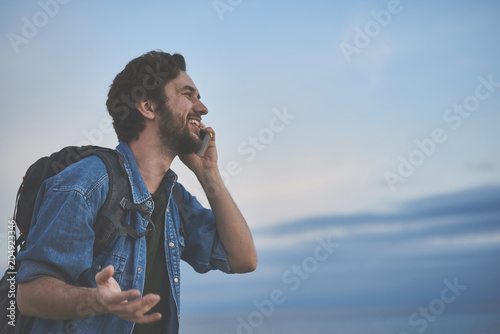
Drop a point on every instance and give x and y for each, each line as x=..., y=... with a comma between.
x=111, y=216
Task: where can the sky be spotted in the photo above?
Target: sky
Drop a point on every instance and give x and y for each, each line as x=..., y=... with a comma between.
x=331, y=117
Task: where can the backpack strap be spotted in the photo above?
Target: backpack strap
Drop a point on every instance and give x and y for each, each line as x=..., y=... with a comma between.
x=36, y=174
x=111, y=217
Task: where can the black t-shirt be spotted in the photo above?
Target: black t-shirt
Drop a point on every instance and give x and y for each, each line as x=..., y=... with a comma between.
x=156, y=280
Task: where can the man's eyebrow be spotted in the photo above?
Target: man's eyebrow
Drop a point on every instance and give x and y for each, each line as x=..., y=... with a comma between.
x=191, y=89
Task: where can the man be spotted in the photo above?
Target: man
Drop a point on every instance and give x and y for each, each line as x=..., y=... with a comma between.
x=133, y=286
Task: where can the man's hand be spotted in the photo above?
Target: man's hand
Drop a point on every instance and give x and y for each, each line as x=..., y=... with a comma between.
x=124, y=303
x=207, y=163
x=231, y=226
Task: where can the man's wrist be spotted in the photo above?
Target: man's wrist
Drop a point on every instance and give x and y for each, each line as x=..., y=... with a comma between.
x=98, y=304
x=209, y=176
x=211, y=181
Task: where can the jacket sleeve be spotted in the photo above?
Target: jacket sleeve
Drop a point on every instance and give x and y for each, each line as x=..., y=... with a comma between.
x=60, y=241
x=203, y=249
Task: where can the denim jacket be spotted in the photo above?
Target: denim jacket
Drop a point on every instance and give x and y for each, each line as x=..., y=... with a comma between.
x=60, y=243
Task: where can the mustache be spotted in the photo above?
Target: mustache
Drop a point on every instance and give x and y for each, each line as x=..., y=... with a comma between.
x=193, y=115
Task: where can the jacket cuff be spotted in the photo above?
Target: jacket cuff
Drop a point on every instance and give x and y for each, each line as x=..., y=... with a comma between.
x=219, y=257
x=31, y=270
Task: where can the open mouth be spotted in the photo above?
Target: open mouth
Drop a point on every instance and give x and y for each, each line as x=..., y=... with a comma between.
x=195, y=122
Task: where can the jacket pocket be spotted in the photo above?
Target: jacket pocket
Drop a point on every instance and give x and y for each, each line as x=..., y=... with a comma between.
x=117, y=260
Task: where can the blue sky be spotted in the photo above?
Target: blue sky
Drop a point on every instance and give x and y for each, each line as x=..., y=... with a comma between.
x=347, y=124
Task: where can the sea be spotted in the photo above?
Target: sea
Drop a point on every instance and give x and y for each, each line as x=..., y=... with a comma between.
x=366, y=321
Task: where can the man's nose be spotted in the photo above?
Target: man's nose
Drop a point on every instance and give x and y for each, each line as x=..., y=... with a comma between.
x=200, y=108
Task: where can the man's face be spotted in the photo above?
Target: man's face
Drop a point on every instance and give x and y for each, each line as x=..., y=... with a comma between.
x=180, y=115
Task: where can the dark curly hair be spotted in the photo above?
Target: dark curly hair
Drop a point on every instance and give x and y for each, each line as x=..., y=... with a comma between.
x=143, y=78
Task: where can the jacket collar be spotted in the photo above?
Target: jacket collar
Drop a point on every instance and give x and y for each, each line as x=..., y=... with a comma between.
x=140, y=192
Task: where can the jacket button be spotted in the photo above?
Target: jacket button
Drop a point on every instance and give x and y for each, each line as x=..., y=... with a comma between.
x=170, y=244
x=149, y=202
x=98, y=267
x=139, y=270
x=176, y=280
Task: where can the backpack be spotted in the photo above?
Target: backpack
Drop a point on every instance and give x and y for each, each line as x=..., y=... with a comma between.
x=109, y=221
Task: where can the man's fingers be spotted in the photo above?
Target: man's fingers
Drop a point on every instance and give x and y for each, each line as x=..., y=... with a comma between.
x=125, y=304
x=148, y=318
x=211, y=130
x=104, y=274
x=135, y=310
x=142, y=305
x=122, y=297
x=207, y=129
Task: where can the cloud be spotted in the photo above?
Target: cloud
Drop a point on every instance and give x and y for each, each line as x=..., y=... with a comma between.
x=478, y=239
x=442, y=220
x=470, y=201
x=485, y=167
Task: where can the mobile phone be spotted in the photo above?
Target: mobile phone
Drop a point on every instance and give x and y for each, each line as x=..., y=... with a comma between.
x=205, y=138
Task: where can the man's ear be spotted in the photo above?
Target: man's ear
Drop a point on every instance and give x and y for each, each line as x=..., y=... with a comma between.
x=146, y=108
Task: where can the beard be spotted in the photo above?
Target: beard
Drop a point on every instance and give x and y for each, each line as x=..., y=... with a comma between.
x=175, y=133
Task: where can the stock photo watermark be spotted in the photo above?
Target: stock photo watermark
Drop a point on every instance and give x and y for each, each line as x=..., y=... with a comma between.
x=453, y=117
x=224, y=6
x=253, y=144
x=371, y=29
x=436, y=307
x=33, y=23
x=293, y=279
x=250, y=147
x=11, y=273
